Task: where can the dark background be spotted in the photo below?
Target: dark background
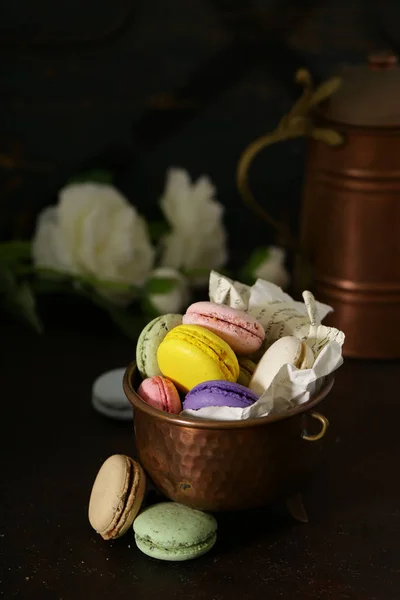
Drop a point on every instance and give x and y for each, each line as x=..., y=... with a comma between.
x=138, y=86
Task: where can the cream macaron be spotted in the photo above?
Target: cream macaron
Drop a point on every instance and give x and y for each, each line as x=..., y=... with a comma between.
x=287, y=350
x=117, y=496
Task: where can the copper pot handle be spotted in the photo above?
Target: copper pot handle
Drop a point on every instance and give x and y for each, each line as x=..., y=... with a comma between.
x=325, y=424
x=297, y=123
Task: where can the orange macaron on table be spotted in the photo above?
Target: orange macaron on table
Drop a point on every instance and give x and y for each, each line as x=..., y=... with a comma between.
x=228, y=465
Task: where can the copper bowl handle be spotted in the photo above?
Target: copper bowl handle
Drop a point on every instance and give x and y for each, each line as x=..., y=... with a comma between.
x=325, y=424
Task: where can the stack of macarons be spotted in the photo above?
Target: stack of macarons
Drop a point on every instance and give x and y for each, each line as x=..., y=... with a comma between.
x=167, y=531
x=209, y=357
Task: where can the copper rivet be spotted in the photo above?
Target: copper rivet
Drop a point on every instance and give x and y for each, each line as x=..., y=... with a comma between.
x=382, y=60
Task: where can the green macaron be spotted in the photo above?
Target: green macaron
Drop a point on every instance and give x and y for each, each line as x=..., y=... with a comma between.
x=171, y=531
x=247, y=368
x=149, y=340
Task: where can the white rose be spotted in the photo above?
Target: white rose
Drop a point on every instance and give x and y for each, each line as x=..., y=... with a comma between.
x=94, y=231
x=272, y=268
x=174, y=300
x=197, y=241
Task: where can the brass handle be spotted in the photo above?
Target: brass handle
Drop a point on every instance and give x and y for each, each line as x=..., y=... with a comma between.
x=325, y=424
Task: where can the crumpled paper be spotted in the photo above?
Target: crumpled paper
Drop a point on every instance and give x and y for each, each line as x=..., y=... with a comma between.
x=280, y=315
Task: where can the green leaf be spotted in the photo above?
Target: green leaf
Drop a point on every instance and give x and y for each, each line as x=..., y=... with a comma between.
x=43, y=285
x=26, y=303
x=20, y=302
x=15, y=251
x=160, y=285
x=157, y=229
x=94, y=176
x=7, y=281
x=247, y=272
x=256, y=259
x=85, y=280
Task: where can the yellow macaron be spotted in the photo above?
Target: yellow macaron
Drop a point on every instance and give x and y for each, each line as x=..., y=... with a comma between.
x=191, y=354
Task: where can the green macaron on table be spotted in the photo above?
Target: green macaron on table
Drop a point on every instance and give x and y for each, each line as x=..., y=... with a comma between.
x=171, y=531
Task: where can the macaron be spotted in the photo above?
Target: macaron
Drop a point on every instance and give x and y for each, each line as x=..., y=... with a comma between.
x=108, y=396
x=241, y=331
x=117, y=496
x=149, y=340
x=287, y=350
x=171, y=531
x=190, y=354
x=219, y=393
x=161, y=394
x=247, y=367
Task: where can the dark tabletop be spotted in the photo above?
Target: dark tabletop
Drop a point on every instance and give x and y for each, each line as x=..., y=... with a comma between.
x=54, y=443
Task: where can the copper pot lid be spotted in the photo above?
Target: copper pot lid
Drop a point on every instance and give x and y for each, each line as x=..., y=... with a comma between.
x=369, y=95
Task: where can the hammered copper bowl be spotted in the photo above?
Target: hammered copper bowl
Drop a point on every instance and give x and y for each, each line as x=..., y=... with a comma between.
x=227, y=465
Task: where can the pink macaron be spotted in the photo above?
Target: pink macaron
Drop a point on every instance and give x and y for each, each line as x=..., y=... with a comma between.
x=241, y=331
x=160, y=393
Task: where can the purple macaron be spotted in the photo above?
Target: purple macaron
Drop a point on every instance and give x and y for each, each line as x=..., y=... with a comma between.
x=219, y=393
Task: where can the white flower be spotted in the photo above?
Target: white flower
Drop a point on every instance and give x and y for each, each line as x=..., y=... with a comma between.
x=174, y=300
x=272, y=268
x=94, y=231
x=197, y=241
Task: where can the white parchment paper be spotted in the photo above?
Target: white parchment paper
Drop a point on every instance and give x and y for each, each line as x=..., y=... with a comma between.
x=280, y=315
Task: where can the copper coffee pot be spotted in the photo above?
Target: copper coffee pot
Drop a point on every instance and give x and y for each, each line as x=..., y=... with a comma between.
x=350, y=224
x=349, y=247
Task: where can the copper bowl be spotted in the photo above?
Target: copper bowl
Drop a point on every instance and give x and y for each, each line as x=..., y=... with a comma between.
x=227, y=465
